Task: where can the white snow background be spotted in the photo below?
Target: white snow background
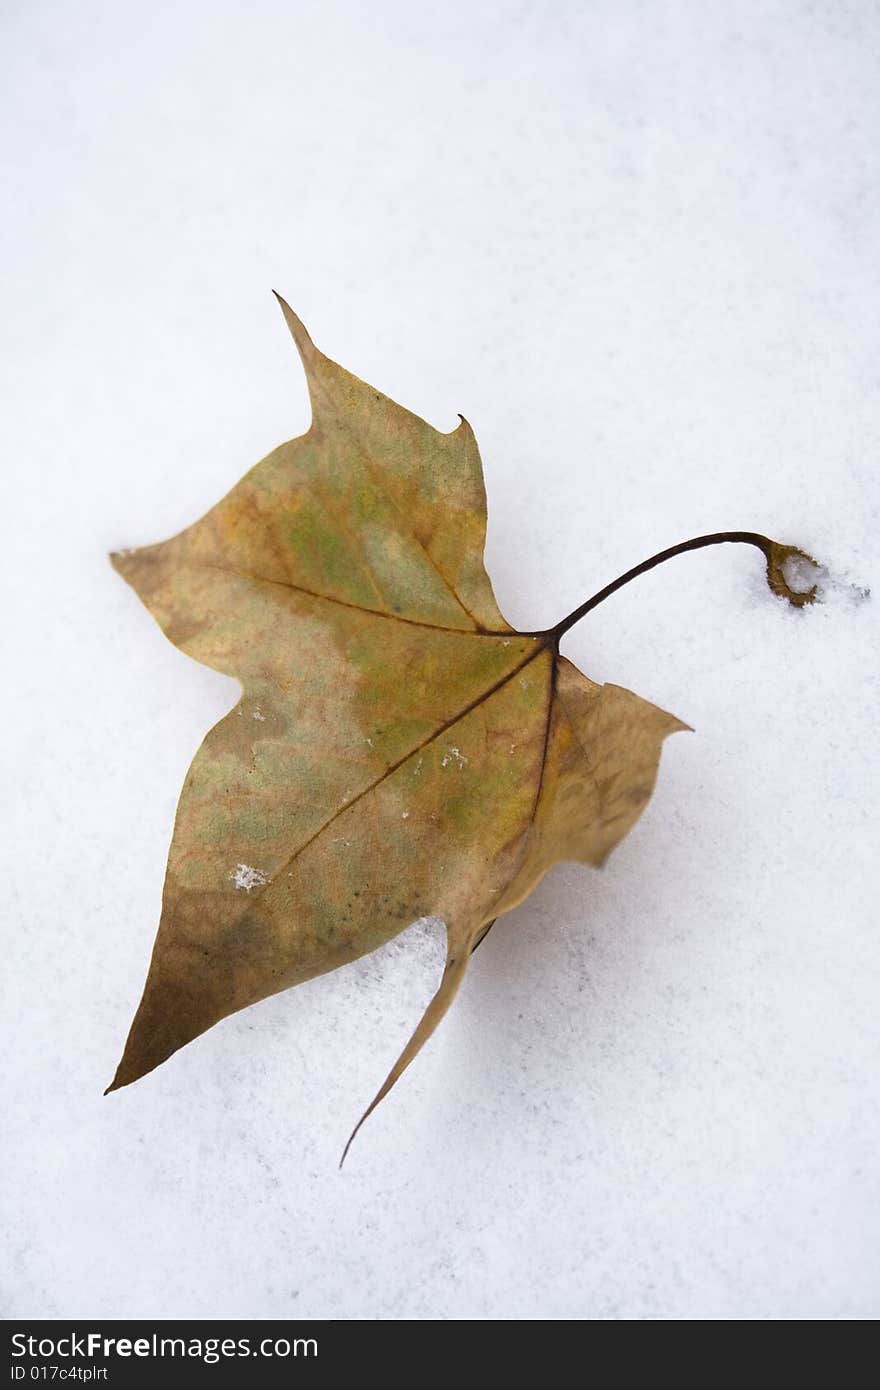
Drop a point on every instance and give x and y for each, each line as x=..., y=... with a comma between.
x=637, y=246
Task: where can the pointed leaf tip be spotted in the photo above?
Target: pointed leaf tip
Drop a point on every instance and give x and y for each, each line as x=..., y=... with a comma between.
x=297, y=328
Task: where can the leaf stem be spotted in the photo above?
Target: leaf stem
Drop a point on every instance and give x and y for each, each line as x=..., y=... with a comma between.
x=774, y=552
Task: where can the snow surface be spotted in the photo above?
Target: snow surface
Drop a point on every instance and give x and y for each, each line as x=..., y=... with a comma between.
x=636, y=245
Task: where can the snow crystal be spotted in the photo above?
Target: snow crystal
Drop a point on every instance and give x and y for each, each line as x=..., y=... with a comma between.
x=246, y=877
x=453, y=754
x=799, y=574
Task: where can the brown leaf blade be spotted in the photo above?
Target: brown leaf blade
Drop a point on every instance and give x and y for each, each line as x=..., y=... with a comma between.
x=398, y=751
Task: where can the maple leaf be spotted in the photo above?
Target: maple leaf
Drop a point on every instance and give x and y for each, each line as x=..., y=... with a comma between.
x=398, y=750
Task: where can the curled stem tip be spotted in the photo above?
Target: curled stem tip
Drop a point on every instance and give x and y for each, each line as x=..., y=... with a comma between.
x=797, y=563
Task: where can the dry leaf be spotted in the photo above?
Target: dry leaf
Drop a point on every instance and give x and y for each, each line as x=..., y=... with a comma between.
x=398, y=750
